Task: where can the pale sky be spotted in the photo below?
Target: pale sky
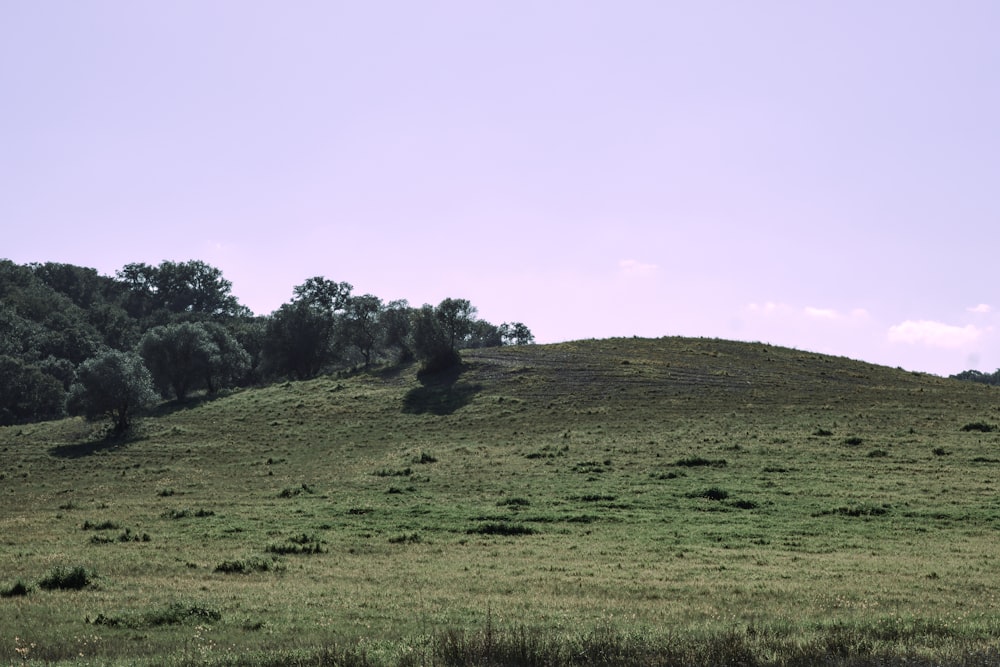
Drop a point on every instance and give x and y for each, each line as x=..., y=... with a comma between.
x=818, y=174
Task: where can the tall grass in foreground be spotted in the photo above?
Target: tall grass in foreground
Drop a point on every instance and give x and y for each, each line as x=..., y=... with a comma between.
x=914, y=644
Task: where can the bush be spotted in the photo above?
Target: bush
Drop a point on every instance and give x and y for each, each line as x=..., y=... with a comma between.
x=982, y=427
x=713, y=493
x=245, y=566
x=67, y=579
x=114, y=385
x=502, y=529
x=696, y=461
x=19, y=589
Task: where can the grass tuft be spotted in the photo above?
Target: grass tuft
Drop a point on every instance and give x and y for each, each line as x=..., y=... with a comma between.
x=66, y=579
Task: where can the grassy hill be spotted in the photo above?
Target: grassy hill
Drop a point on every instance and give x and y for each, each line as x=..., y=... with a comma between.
x=601, y=502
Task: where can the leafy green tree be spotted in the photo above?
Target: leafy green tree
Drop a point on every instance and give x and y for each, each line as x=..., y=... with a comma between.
x=431, y=343
x=362, y=325
x=323, y=295
x=483, y=334
x=456, y=317
x=178, y=356
x=516, y=333
x=250, y=333
x=397, y=317
x=113, y=385
x=84, y=286
x=158, y=294
x=301, y=334
x=229, y=363
x=27, y=393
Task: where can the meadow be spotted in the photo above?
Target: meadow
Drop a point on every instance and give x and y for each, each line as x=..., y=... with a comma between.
x=624, y=501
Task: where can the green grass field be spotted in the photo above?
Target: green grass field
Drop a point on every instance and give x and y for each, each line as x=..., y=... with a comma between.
x=670, y=501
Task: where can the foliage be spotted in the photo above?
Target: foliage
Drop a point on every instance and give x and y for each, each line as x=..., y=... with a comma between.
x=27, y=393
x=515, y=333
x=54, y=317
x=66, y=579
x=113, y=385
x=192, y=355
x=978, y=377
x=172, y=288
x=362, y=326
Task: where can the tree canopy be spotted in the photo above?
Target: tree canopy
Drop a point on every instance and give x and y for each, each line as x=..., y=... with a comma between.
x=180, y=324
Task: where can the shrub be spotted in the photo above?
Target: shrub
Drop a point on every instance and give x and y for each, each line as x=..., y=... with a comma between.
x=245, y=566
x=822, y=432
x=853, y=441
x=695, y=461
x=174, y=614
x=66, y=578
x=425, y=458
x=745, y=504
x=863, y=510
x=713, y=493
x=982, y=427
x=514, y=502
x=300, y=544
x=19, y=589
x=498, y=528
x=939, y=451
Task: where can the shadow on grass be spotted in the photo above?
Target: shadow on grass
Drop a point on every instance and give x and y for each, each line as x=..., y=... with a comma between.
x=96, y=445
x=440, y=393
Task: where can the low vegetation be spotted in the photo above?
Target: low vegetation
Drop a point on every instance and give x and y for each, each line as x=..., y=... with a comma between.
x=703, y=504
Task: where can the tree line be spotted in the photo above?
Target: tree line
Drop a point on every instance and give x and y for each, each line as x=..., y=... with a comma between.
x=73, y=341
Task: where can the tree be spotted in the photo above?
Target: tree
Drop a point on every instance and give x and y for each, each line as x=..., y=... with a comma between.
x=160, y=293
x=178, y=356
x=456, y=317
x=300, y=334
x=189, y=355
x=516, y=334
x=396, y=326
x=483, y=334
x=229, y=362
x=27, y=393
x=323, y=295
x=431, y=343
x=362, y=324
x=113, y=385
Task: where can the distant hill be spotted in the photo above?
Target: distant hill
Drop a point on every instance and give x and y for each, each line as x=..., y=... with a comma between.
x=778, y=503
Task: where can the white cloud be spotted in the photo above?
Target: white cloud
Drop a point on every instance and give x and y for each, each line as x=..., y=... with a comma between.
x=822, y=313
x=767, y=308
x=981, y=309
x=934, y=334
x=633, y=267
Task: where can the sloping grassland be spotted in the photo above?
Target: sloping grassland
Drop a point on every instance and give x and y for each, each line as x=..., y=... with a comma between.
x=595, y=502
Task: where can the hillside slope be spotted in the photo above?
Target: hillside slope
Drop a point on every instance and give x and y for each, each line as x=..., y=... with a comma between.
x=679, y=483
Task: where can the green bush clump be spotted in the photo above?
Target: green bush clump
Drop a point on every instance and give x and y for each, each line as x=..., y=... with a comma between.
x=982, y=427
x=103, y=525
x=300, y=544
x=696, y=461
x=19, y=589
x=66, y=579
x=713, y=493
x=247, y=566
x=863, y=510
x=174, y=614
x=514, y=502
x=500, y=528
